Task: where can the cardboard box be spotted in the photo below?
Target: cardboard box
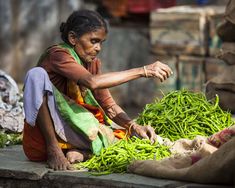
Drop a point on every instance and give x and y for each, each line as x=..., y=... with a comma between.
x=183, y=29
x=214, y=67
x=191, y=73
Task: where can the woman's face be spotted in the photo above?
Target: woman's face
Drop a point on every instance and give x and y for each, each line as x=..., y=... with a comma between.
x=89, y=45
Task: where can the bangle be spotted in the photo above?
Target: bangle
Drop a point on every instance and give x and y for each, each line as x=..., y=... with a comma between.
x=129, y=129
x=145, y=72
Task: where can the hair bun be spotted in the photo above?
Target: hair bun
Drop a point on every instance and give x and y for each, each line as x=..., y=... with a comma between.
x=63, y=27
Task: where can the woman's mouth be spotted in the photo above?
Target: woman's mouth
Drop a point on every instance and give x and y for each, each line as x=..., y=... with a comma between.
x=93, y=57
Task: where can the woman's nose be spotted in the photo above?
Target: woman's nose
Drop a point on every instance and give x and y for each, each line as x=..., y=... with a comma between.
x=98, y=47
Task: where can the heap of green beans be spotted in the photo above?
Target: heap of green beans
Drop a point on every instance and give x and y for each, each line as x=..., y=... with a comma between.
x=116, y=158
x=185, y=114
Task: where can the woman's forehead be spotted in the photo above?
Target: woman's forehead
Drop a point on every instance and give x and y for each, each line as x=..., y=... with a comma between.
x=97, y=33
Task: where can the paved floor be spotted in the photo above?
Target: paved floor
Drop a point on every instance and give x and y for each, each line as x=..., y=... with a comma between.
x=17, y=172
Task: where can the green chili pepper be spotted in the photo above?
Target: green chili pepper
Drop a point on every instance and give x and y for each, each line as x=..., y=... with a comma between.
x=118, y=156
x=182, y=109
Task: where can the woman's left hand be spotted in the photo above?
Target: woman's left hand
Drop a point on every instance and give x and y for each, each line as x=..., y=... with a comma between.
x=146, y=132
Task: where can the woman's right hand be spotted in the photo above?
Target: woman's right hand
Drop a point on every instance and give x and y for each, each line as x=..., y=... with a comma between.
x=157, y=70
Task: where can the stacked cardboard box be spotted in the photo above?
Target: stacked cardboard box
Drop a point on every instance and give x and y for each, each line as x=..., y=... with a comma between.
x=189, y=34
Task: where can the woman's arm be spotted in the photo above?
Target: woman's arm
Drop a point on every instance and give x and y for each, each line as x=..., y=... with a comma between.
x=62, y=63
x=117, y=114
x=107, y=80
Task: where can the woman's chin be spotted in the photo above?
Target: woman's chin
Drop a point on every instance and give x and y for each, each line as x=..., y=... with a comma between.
x=91, y=59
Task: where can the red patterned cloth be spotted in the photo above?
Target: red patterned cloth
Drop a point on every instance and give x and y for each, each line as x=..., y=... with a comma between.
x=221, y=137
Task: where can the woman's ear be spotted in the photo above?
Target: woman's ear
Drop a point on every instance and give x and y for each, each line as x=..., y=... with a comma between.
x=72, y=38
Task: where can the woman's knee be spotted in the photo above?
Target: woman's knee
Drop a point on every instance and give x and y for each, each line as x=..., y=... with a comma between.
x=36, y=72
x=37, y=78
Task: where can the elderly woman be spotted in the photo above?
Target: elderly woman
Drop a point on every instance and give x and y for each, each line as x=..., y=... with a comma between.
x=68, y=108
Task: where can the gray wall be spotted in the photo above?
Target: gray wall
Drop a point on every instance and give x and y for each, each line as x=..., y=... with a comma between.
x=28, y=27
x=128, y=47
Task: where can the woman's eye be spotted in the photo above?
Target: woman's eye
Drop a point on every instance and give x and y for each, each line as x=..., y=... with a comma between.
x=93, y=41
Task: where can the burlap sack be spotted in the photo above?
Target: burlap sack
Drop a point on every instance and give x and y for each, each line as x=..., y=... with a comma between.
x=227, y=53
x=226, y=29
x=230, y=11
x=217, y=168
x=224, y=86
x=186, y=146
x=185, y=152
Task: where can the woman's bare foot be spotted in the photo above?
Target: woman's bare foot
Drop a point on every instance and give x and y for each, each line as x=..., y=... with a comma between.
x=56, y=159
x=75, y=155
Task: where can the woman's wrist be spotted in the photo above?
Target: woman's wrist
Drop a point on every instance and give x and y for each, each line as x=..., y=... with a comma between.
x=145, y=72
x=131, y=127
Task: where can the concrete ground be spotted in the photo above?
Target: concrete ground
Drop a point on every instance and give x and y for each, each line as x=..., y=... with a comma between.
x=17, y=172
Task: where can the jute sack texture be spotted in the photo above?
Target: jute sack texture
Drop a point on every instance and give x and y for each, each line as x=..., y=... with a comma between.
x=224, y=86
x=216, y=168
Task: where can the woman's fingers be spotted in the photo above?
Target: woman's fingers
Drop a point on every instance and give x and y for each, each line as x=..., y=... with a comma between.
x=168, y=71
x=144, y=135
x=159, y=70
x=146, y=132
x=162, y=75
x=151, y=134
x=165, y=70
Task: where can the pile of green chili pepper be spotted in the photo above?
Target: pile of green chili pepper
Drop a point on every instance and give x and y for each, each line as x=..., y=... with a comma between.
x=116, y=158
x=7, y=139
x=185, y=114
